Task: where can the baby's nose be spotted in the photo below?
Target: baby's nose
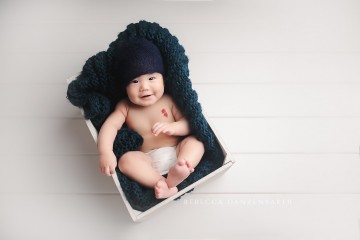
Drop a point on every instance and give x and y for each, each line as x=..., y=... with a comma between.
x=144, y=87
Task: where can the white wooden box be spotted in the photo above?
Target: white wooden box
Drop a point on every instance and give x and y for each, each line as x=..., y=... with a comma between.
x=138, y=215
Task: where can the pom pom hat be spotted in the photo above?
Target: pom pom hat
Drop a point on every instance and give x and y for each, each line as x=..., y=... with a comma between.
x=135, y=57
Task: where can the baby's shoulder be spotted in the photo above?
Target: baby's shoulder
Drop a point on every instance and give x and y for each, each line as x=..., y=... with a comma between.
x=123, y=103
x=122, y=106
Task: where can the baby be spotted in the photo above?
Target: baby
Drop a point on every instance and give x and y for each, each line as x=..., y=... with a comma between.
x=168, y=146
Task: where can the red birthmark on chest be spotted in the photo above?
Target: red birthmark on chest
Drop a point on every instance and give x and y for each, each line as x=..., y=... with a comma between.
x=164, y=112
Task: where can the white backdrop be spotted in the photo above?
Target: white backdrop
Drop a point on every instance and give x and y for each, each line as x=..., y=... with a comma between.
x=278, y=79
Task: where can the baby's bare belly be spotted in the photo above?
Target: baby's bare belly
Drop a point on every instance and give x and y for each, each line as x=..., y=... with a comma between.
x=153, y=142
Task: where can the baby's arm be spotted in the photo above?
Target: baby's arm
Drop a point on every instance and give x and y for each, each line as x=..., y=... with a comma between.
x=178, y=128
x=107, y=134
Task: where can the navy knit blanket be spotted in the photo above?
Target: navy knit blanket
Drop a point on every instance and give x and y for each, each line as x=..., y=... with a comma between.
x=93, y=91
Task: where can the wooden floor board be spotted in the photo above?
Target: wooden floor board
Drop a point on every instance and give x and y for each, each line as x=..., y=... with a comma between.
x=217, y=100
x=229, y=216
x=251, y=173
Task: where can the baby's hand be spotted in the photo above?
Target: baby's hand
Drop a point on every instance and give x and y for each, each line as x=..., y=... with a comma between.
x=163, y=127
x=107, y=163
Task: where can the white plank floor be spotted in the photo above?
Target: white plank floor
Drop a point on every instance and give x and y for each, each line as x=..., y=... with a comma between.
x=279, y=80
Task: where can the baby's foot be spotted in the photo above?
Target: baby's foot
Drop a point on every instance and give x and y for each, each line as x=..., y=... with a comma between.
x=178, y=173
x=163, y=191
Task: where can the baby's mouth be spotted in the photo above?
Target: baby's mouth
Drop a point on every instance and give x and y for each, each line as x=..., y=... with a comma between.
x=146, y=96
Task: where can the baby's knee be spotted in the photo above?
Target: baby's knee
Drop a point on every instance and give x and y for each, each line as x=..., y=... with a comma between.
x=194, y=141
x=125, y=161
x=129, y=161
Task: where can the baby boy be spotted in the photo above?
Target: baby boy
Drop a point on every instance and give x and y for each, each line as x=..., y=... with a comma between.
x=168, y=146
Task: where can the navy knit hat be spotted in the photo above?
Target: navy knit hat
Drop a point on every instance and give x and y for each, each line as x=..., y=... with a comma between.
x=135, y=57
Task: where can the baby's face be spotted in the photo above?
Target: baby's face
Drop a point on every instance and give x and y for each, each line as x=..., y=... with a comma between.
x=146, y=89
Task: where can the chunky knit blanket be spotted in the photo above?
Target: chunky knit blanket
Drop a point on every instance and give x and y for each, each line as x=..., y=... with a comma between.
x=93, y=91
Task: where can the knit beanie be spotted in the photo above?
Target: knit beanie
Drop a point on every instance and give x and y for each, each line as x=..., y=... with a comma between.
x=135, y=57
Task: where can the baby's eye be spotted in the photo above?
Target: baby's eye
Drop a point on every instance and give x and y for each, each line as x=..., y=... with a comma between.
x=134, y=81
x=152, y=78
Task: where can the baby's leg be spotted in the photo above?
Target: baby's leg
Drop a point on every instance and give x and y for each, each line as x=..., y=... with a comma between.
x=137, y=166
x=189, y=152
x=163, y=191
x=178, y=173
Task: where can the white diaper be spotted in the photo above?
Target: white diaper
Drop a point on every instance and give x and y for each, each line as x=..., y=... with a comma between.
x=163, y=158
